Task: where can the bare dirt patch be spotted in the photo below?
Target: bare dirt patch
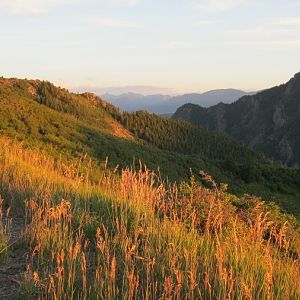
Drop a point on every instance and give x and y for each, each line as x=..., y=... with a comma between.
x=12, y=269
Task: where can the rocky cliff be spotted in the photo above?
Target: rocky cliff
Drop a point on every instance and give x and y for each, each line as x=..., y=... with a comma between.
x=268, y=122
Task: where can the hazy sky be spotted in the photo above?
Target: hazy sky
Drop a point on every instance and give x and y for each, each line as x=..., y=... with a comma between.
x=187, y=45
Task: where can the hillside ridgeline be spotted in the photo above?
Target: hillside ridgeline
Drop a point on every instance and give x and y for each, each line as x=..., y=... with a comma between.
x=268, y=122
x=44, y=116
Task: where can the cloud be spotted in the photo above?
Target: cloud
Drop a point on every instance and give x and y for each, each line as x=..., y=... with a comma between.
x=288, y=21
x=271, y=28
x=258, y=32
x=266, y=44
x=112, y=23
x=126, y=2
x=32, y=7
x=36, y=7
x=201, y=23
x=177, y=45
x=218, y=5
x=276, y=33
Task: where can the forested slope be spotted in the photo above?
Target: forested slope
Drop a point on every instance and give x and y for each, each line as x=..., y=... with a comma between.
x=44, y=116
x=267, y=122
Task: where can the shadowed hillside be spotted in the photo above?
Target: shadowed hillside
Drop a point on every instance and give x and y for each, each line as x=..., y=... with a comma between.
x=268, y=122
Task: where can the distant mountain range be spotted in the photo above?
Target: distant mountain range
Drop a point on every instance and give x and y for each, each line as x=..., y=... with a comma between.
x=163, y=104
x=134, y=102
x=145, y=90
x=268, y=122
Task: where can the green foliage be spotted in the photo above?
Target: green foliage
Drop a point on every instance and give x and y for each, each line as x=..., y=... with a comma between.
x=44, y=116
x=128, y=238
x=245, y=170
x=183, y=137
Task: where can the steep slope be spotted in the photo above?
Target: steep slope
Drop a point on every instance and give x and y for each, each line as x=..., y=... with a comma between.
x=44, y=116
x=268, y=122
x=40, y=104
x=125, y=237
x=244, y=170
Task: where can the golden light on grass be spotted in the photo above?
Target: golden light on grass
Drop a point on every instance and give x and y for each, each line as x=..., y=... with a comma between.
x=131, y=236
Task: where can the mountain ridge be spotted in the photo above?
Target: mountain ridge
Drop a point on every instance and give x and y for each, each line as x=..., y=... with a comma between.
x=163, y=104
x=267, y=121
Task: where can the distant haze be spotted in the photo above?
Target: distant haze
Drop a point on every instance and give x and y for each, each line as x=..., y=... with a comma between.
x=166, y=104
x=181, y=44
x=144, y=90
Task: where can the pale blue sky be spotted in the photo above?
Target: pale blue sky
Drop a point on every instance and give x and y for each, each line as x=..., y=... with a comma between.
x=186, y=45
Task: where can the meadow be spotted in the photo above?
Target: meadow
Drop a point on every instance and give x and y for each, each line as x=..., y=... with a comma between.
x=130, y=235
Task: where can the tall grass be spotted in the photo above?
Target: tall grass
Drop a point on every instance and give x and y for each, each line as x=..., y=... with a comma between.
x=4, y=227
x=131, y=236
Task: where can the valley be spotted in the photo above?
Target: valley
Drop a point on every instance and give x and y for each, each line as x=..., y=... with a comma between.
x=97, y=203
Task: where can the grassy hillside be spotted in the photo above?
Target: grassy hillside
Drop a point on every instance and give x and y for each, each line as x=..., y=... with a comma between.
x=230, y=162
x=129, y=236
x=76, y=227
x=69, y=125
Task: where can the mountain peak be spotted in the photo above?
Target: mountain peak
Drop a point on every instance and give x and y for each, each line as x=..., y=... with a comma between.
x=297, y=75
x=293, y=86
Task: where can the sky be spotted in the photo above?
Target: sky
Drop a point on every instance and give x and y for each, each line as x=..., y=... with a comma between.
x=177, y=45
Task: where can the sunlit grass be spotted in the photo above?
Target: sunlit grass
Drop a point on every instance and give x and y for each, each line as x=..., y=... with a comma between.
x=131, y=236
